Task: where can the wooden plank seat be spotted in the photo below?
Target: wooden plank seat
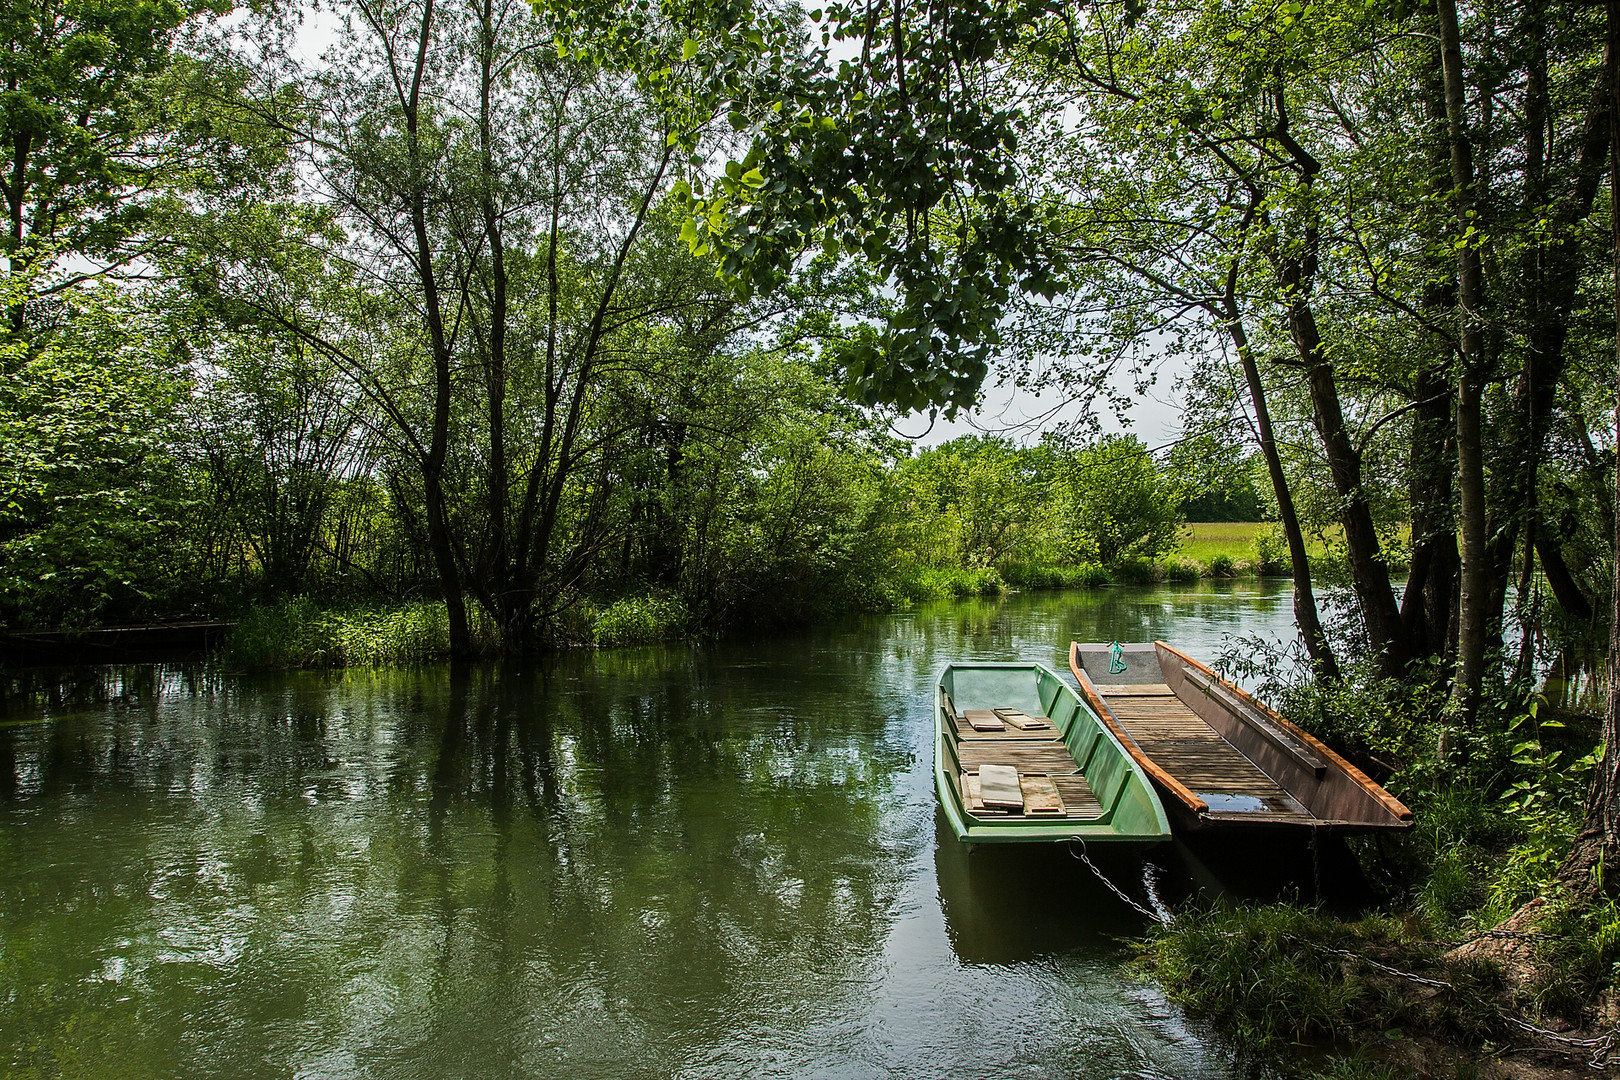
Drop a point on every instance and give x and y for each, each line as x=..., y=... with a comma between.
x=1074, y=796
x=965, y=732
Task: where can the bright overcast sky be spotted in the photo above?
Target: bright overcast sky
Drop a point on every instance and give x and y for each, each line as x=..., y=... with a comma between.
x=1022, y=415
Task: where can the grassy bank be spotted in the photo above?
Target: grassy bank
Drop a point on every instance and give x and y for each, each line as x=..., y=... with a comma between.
x=303, y=633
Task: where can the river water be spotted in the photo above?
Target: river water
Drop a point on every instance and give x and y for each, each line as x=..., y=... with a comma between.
x=720, y=860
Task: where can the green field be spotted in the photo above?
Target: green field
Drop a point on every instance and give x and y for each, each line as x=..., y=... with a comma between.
x=1203, y=540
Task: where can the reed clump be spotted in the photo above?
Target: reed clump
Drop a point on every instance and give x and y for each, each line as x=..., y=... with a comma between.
x=299, y=632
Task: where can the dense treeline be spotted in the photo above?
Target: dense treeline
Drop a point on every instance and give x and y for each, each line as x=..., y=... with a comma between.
x=416, y=323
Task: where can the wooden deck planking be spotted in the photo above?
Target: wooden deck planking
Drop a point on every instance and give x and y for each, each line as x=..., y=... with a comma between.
x=1194, y=753
x=1030, y=755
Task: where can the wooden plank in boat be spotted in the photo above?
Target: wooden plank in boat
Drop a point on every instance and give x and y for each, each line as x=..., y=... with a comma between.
x=1184, y=745
x=1018, y=718
x=998, y=787
x=973, y=799
x=1041, y=796
x=983, y=720
x=1113, y=690
x=1079, y=801
x=1047, y=757
x=965, y=732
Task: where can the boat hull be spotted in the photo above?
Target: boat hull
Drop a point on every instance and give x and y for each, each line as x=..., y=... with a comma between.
x=1106, y=797
x=1219, y=758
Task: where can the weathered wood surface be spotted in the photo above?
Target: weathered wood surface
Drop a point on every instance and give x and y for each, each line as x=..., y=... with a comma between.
x=1049, y=759
x=1193, y=752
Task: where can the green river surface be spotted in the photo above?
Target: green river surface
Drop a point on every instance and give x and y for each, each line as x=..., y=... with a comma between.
x=710, y=860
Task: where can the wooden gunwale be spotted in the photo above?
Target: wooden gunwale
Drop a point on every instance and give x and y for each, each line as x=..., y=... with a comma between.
x=1365, y=782
x=1146, y=764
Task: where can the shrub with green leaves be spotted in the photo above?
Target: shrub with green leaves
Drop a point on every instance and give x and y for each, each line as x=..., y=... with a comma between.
x=88, y=483
x=639, y=620
x=301, y=633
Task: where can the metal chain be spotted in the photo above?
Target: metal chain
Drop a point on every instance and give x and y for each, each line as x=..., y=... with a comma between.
x=1162, y=916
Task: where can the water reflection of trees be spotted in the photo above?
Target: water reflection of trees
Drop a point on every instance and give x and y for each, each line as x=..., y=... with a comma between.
x=450, y=867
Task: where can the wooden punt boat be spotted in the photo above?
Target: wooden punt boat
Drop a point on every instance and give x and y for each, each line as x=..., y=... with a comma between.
x=1019, y=758
x=1218, y=756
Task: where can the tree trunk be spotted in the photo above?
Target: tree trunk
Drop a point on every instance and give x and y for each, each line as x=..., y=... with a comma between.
x=1426, y=603
x=1598, y=844
x=1305, y=614
x=1369, y=574
x=1473, y=613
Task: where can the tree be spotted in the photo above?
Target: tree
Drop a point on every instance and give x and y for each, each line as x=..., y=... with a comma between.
x=1119, y=505
x=94, y=128
x=501, y=284
x=88, y=407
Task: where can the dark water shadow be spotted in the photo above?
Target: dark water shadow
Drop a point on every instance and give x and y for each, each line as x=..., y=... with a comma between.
x=1009, y=903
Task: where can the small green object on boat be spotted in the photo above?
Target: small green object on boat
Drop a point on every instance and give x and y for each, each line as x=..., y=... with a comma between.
x=1057, y=774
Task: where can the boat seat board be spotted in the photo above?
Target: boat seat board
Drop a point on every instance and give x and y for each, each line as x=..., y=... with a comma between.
x=1187, y=748
x=1052, y=759
x=966, y=732
x=1073, y=795
x=1048, y=757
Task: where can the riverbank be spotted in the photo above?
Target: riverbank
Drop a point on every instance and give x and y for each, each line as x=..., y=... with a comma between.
x=1476, y=952
x=1268, y=976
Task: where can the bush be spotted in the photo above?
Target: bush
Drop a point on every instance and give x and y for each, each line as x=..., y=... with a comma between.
x=299, y=633
x=1025, y=575
x=1223, y=566
x=638, y=620
x=1271, y=554
x=919, y=584
x=1180, y=569
x=1135, y=572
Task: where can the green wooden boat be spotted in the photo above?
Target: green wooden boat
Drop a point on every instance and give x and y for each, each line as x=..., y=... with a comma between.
x=1019, y=758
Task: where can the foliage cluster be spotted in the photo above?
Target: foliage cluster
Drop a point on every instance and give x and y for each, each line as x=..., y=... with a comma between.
x=298, y=632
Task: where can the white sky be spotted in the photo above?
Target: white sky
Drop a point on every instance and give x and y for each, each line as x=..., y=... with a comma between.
x=1023, y=415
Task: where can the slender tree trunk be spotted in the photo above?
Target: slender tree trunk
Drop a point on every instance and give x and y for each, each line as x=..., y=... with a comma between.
x=1598, y=844
x=1473, y=613
x=1369, y=574
x=1565, y=589
x=440, y=541
x=511, y=600
x=1305, y=613
x=1426, y=603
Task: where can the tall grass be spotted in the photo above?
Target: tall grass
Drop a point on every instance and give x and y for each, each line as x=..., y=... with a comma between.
x=1286, y=973
x=635, y=620
x=1028, y=575
x=918, y=584
x=300, y=633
